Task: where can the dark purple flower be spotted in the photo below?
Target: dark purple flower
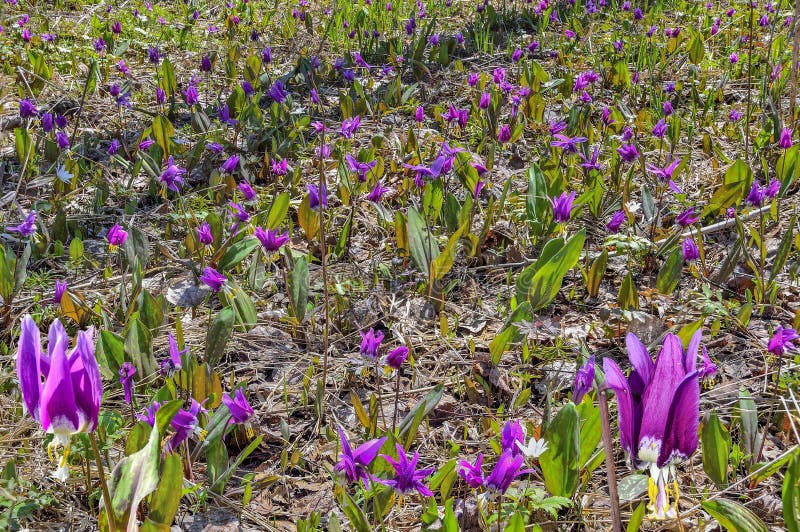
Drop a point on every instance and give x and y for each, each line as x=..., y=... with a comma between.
x=708, y=369
x=772, y=189
x=238, y=406
x=153, y=54
x=26, y=228
x=225, y=116
x=190, y=95
x=359, y=168
x=247, y=191
x=628, y=152
x=785, y=141
x=116, y=235
x=511, y=434
x=27, y=109
x=350, y=126
x=279, y=167
x=377, y=192
x=47, y=122
x=667, y=108
x=185, y=423
x=58, y=293
x=756, y=195
x=247, y=88
x=126, y=373
x=472, y=473
x=230, y=164
x=213, y=279
x=419, y=114
x=396, y=357
x=690, y=251
x=315, y=198
x=568, y=144
x=277, y=91
x=407, y=477
x=204, y=234
x=161, y=96
x=371, y=343
x=116, y=27
x=114, y=147
x=505, y=471
x=238, y=212
x=146, y=143
x=666, y=173
x=562, y=206
x=354, y=464
x=782, y=341
x=616, y=221
x=62, y=140
x=270, y=239
x=584, y=380
x=172, y=176
x=687, y=217
x=504, y=135
x=266, y=55
x=660, y=129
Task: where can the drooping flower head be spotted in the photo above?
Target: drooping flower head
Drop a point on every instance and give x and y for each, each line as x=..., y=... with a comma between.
x=239, y=407
x=213, y=279
x=27, y=227
x=511, y=434
x=584, y=380
x=172, y=176
x=204, y=234
x=126, y=373
x=61, y=391
x=315, y=199
x=407, y=476
x=371, y=343
x=659, y=410
x=616, y=221
x=472, y=473
x=58, y=293
x=782, y=341
x=505, y=471
x=185, y=423
x=690, y=251
x=396, y=357
x=354, y=464
x=117, y=235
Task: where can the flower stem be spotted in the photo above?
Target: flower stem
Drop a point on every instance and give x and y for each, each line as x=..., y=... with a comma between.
x=110, y=517
x=396, y=399
x=616, y=520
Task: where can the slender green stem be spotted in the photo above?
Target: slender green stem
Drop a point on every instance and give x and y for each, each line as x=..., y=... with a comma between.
x=616, y=520
x=110, y=518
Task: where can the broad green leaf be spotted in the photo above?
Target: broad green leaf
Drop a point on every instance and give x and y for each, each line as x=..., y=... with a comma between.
x=549, y=274
x=750, y=437
x=138, y=347
x=791, y=494
x=516, y=523
x=632, y=487
x=167, y=497
x=733, y=516
x=426, y=406
x=537, y=206
x=421, y=242
x=278, y=211
x=222, y=479
x=783, y=250
x=696, y=48
x=596, y=273
x=298, y=288
x=134, y=478
x=788, y=167
x=559, y=462
x=636, y=518
x=670, y=273
x=308, y=219
x=218, y=335
x=591, y=430
x=509, y=333
x=442, y=264
x=735, y=185
x=110, y=353
x=716, y=442
x=628, y=297
x=163, y=131
x=238, y=252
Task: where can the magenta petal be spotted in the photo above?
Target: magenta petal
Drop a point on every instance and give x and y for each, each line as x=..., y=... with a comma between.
x=680, y=434
x=29, y=351
x=640, y=358
x=86, y=381
x=616, y=380
x=690, y=358
x=59, y=413
x=366, y=452
x=659, y=394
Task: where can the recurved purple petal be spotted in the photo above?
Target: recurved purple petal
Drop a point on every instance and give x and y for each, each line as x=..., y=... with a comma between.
x=641, y=362
x=366, y=452
x=86, y=381
x=690, y=357
x=616, y=380
x=59, y=413
x=680, y=434
x=29, y=351
x=658, y=396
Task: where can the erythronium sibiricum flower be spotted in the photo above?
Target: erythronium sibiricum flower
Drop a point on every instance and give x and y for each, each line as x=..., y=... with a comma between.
x=61, y=391
x=116, y=236
x=239, y=407
x=472, y=473
x=174, y=362
x=511, y=435
x=213, y=279
x=782, y=340
x=659, y=409
x=26, y=228
x=562, y=206
x=185, y=423
x=58, y=293
x=270, y=239
x=396, y=357
x=505, y=471
x=407, y=476
x=354, y=464
x=371, y=343
x=126, y=373
x=616, y=221
x=584, y=380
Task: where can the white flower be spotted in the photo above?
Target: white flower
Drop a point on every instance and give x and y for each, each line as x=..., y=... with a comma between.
x=534, y=449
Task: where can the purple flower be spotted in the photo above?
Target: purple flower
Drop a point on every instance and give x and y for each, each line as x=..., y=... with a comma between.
x=172, y=176
x=146, y=143
x=659, y=410
x=230, y=164
x=204, y=234
x=161, y=96
x=556, y=126
x=27, y=109
x=628, y=152
x=511, y=434
x=473, y=78
x=213, y=279
x=277, y=91
x=47, y=122
x=26, y=228
x=419, y=114
x=756, y=195
x=785, y=141
x=247, y=191
x=485, y=100
x=666, y=173
x=315, y=198
x=190, y=95
x=279, y=167
x=709, y=369
x=505, y=471
x=660, y=129
x=690, y=251
x=350, y=126
x=591, y=163
x=175, y=361
x=153, y=54
x=225, y=116
x=271, y=240
x=185, y=423
x=126, y=373
x=61, y=391
x=205, y=64
x=371, y=343
x=568, y=144
x=247, y=88
x=584, y=380
x=238, y=212
x=472, y=473
x=359, y=168
x=58, y=293
x=782, y=341
x=62, y=140
x=562, y=206
x=354, y=464
x=504, y=135
x=772, y=190
x=407, y=477
x=114, y=147
x=687, y=217
x=616, y=221
x=214, y=147
x=239, y=407
x=377, y=193
x=117, y=235
x=396, y=357
x=266, y=55
x=734, y=58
